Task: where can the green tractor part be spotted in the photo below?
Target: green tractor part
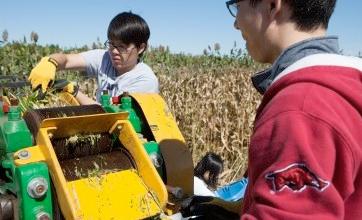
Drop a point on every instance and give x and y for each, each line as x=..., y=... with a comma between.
x=126, y=105
x=14, y=132
x=24, y=190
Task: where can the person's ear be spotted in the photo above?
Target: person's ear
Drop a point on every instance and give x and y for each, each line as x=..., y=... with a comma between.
x=274, y=8
x=142, y=48
x=206, y=175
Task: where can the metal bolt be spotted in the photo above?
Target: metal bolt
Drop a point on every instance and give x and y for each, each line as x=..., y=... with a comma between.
x=43, y=216
x=37, y=187
x=24, y=154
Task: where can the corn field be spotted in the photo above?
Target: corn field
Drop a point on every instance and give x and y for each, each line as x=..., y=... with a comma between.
x=211, y=96
x=215, y=113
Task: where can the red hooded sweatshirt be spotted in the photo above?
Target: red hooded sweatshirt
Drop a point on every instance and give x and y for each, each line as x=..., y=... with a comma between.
x=306, y=150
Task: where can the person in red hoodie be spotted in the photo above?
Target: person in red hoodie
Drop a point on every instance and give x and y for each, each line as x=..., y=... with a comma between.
x=305, y=155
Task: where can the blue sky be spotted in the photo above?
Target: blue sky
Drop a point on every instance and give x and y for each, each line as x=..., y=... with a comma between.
x=187, y=26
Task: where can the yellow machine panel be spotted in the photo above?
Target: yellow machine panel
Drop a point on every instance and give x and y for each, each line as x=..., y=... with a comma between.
x=121, y=194
x=159, y=117
x=176, y=155
x=68, y=98
x=108, y=197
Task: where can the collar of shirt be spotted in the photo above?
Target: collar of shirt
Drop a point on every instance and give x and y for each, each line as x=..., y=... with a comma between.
x=262, y=80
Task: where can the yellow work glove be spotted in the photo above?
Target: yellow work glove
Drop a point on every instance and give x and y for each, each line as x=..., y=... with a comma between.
x=71, y=88
x=43, y=73
x=65, y=86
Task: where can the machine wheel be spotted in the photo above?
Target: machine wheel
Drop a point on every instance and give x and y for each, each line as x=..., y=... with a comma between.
x=8, y=207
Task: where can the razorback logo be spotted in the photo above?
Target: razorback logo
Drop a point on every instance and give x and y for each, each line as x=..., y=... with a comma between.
x=296, y=177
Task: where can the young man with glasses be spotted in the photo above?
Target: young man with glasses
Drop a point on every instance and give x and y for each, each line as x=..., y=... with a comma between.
x=305, y=155
x=117, y=69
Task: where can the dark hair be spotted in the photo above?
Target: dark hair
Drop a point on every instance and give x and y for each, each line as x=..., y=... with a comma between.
x=309, y=14
x=210, y=162
x=129, y=28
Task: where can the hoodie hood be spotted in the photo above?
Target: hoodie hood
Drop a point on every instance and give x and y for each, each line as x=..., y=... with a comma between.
x=324, y=74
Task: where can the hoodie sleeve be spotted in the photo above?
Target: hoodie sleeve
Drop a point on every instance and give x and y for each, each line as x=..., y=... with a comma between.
x=299, y=168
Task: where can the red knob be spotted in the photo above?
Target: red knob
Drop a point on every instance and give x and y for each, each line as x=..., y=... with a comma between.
x=115, y=100
x=6, y=108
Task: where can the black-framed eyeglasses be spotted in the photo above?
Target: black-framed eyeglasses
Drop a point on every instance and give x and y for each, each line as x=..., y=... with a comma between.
x=109, y=45
x=233, y=7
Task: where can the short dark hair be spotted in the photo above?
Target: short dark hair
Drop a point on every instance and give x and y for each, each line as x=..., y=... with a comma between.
x=129, y=28
x=309, y=14
x=210, y=162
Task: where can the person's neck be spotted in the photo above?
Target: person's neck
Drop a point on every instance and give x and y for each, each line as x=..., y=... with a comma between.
x=124, y=70
x=289, y=35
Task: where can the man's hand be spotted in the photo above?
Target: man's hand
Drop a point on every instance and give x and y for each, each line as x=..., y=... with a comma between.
x=43, y=73
x=207, y=207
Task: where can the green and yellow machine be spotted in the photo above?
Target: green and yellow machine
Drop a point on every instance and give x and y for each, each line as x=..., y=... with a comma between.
x=110, y=161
